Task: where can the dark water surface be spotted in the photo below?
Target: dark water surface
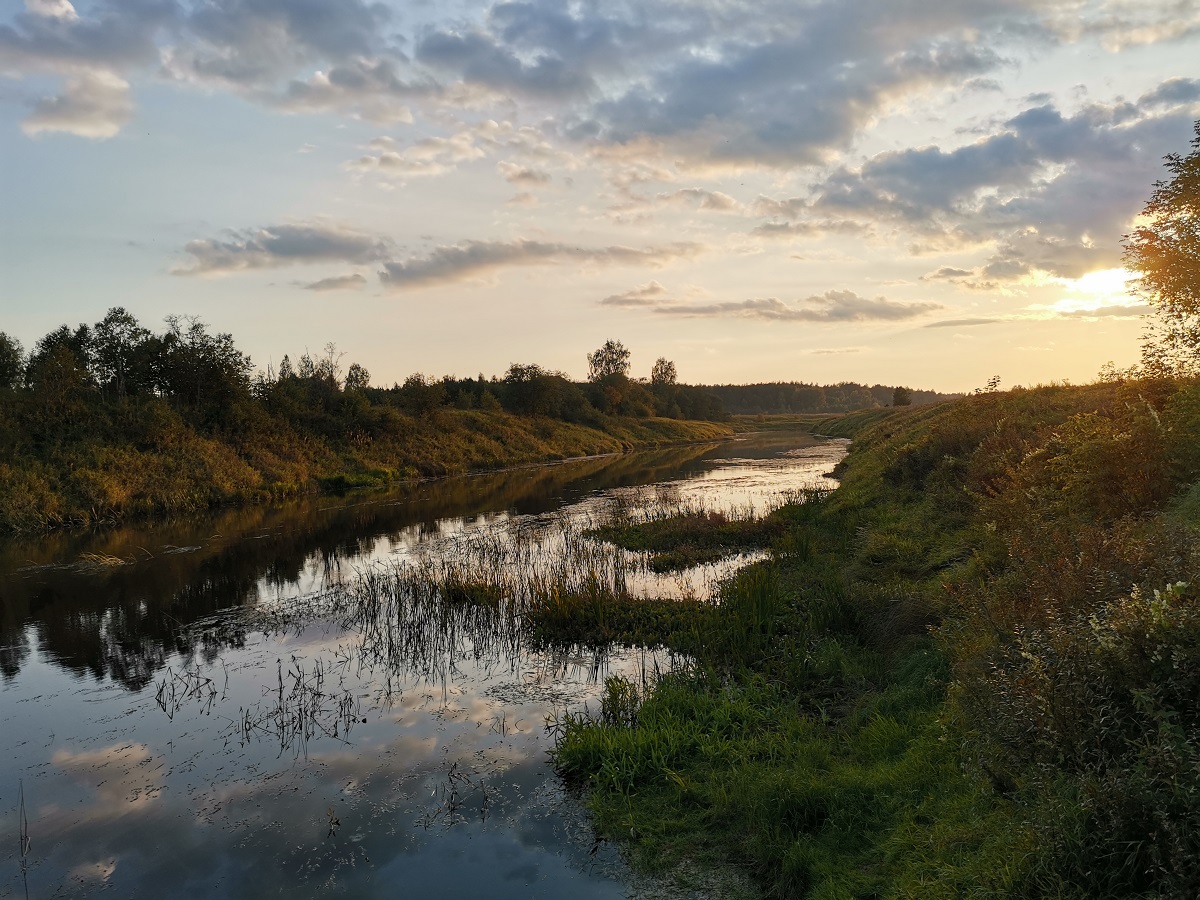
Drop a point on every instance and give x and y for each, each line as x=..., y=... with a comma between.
x=163, y=736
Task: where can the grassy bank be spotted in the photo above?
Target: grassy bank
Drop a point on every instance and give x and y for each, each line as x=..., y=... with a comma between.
x=149, y=461
x=972, y=670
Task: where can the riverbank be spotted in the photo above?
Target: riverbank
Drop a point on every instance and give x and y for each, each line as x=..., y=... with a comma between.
x=144, y=472
x=968, y=671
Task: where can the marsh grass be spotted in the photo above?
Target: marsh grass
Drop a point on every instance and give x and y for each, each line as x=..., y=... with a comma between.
x=24, y=845
x=188, y=686
x=680, y=534
x=964, y=672
x=792, y=744
x=299, y=708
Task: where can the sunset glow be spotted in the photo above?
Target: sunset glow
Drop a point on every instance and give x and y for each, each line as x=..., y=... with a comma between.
x=452, y=188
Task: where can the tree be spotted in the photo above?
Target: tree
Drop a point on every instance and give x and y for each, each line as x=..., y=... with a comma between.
x=12, y=361
x=1164, y=254
x=901, y=396
x=203, y=372
x=611, y=359
x=329, y=366
x=357, y=378
x=118, y=357
x=663, y=372
x=421, y=395
x=59, y=363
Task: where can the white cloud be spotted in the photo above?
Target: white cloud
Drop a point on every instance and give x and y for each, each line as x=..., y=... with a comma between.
x=53, y=9
x=92, y=104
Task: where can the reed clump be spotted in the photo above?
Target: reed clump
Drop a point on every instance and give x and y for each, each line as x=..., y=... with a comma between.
x=677, y=535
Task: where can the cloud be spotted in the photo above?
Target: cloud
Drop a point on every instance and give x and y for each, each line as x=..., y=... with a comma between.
x=832, y=306
x=469, y=259
x=478, y=58
x=961, y=323
x=649, y=294
x=250, y=46
x=295, y=55
x=1051, y=192
x=277, y=246
x=797, y=91
x=92, y=104
x=776, y=84
x=441, y=154
x=522, y=175
x=1172, y=92
x=337, y=283
x=1118, y=311
x=52, y=38
x=809, y=228
x=54, y=9
x=371, y=89
x=701, y=198
x=947, y=273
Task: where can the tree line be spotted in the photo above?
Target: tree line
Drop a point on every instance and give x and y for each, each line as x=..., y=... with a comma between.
x=802, y=397
x=74, y=382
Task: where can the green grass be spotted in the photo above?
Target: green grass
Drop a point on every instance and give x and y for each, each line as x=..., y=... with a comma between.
x=941, y=685
x=692, y=537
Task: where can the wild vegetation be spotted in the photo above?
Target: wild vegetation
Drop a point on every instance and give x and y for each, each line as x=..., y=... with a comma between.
x=969, y=671
x=103, y=422
x=679, y=536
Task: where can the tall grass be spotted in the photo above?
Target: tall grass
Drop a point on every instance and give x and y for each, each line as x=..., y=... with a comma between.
x=970, y=671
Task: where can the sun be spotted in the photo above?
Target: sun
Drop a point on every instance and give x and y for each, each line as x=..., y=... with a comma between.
x=1096, y=290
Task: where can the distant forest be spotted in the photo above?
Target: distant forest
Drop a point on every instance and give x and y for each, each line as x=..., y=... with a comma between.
x=207, y=381
x=800, y=397
x=72, y=376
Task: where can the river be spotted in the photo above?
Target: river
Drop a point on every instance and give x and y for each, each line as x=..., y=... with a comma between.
x=163, y=733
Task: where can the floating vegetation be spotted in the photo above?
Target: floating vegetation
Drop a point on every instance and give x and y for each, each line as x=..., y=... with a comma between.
x=299, y=709
x=460, y=792
x=24, y=844
x=675, y=535
x=91, y=563
x=185, y=686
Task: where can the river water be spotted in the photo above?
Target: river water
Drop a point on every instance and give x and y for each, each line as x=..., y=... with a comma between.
x=165, y=733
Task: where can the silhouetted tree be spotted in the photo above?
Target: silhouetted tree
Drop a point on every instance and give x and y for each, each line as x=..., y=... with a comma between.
x=120, y=354
x=1165, y=255
x=610, y=359
x=663, y=372
x=204, y=373
x=901, y=396
x=59, y=363
x=12, y=361
x=357, y=378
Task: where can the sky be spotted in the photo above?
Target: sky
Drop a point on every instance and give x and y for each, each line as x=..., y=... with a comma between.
x=920, y=192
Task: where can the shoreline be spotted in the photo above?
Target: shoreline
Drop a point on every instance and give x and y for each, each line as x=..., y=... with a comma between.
x=343, y=483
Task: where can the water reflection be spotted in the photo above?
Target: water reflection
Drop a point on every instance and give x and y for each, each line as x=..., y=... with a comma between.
x=122, y=620
x=188, y=717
